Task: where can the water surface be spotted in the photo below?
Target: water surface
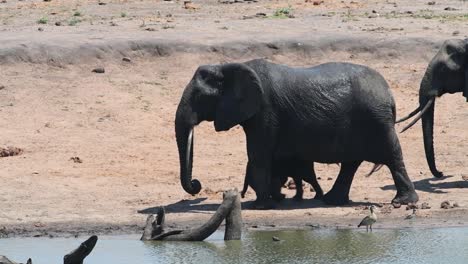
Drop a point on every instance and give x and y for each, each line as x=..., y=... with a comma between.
x=439, y=245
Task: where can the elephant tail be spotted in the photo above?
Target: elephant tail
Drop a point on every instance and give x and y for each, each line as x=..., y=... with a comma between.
x=376, y=168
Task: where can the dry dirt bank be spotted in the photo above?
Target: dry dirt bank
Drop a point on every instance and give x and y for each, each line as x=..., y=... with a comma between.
x=120, y=123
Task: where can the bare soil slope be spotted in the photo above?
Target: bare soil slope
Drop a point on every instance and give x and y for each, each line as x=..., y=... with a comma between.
x=99, y=150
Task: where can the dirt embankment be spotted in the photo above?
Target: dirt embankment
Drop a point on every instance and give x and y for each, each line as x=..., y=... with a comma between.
x=99, y=151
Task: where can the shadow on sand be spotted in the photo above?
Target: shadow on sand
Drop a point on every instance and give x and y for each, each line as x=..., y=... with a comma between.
x=197, y=206
x=434, y=185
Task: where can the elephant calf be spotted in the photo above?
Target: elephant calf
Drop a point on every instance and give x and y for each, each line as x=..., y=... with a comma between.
x=298, y=170
x=331, y=113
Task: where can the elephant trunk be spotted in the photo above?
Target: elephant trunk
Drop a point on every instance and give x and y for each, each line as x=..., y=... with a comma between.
x=427, y=94
x=184, y=123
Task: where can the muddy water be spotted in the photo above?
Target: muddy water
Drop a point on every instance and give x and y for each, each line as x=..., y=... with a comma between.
x=440, y=245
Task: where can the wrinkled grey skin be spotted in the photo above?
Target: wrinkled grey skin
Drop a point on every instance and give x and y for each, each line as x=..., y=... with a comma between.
x=282, y=169
x=230, y=209
x=446, y=73
x=331, y=113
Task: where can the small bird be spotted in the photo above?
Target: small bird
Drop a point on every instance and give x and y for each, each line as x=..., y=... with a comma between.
x=369, y=220
x=411, y=216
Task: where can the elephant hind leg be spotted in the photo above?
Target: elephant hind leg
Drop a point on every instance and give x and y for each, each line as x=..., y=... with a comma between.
x=394, y=160
x=339, y=194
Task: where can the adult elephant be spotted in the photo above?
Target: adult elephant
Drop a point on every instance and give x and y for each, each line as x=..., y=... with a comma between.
x=446, y=73
x=332, y=113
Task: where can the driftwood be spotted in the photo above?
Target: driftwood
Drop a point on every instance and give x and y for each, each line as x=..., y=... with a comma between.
x=230, y=209
x=75, y=257
x=5, y=260
x=78, y=255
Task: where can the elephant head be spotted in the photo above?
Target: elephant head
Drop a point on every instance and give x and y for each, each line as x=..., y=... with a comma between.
x=227, y=94
x=446, y=73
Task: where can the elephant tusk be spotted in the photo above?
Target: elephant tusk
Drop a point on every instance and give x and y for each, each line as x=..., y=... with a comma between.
x=415, y=111
x=429, y=103
x=189, y=149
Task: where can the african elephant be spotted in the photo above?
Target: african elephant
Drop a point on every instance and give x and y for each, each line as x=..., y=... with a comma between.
x=297, y=169
x=331, y=113
x=446, y=73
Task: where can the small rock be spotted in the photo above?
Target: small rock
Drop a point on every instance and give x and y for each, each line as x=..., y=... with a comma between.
x=254, y=226
x=319, y=178
x=455, y=204
x=425, y=206
x=102, y=3
x=379, y=205
x=329, y=179
x=3, y=1
x=445, y=205
x=2, y=87
x=396, y=205
x=190, y=5
x=76, y=159
x=40, y=29
x=431, y=3
x=150, y=29
x=126, y=59
x=456, y=33
x=99, y=70
x=450, y=9
x=275, y=238
x=58, y=23
x=47, y=0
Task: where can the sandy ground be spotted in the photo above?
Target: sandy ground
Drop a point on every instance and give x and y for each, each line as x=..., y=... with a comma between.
x=120, y=123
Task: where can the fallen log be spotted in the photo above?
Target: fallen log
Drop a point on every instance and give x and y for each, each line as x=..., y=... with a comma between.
x=75, y=257
x=78, y=255
x=5, y=260
x=230, y=209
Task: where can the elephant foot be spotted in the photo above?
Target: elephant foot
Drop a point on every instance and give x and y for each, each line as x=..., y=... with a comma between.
x=297, y=198
x=264, y=204
x=335, y=198
x=278, y=197
x=406, y=198
x=318, y=196
x=438, y=174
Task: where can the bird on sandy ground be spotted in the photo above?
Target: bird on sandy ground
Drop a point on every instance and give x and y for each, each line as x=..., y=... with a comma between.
x=369, y=220
x=411, y=216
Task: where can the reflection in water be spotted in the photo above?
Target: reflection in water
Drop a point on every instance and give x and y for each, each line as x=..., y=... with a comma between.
x=315, y=246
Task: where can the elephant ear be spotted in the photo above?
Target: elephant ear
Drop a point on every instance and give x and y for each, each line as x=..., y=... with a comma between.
x=241, y=96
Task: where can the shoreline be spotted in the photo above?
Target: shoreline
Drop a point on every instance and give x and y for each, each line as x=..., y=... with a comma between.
x=438, y=219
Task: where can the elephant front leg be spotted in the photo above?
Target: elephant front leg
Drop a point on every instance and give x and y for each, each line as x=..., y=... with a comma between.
x=339, y=194
x=261, y=183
